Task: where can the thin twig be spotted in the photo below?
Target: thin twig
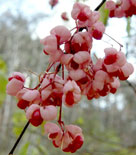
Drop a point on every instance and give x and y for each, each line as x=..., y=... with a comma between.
x=114, y=40
x=131, y=85
x=19, y=138
x=100, y=5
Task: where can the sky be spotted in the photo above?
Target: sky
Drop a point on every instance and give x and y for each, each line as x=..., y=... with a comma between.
x=31, y=7
x=116, y=27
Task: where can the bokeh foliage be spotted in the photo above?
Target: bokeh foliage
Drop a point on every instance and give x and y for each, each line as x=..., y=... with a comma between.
x=3, y=80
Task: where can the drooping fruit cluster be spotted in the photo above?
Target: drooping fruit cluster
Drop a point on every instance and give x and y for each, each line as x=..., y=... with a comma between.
x=123, y=8
x=84, y=77
x=69, y=141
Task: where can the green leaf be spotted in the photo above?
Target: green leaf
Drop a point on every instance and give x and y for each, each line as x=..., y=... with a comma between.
x=35, y=151
x=3, y=66
x=104, y=15
x=42, y=149
x=128, y=28
x=3, y=83
x=42, y=127
x=19, y=120
x=80, y=121
x=24, y=149
x=3, y=80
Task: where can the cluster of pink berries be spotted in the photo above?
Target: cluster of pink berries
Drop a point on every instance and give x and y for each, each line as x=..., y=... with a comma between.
x=69, y=141
x=123, y=8
x=72, y=52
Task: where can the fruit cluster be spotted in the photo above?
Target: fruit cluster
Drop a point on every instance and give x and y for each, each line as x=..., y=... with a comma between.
x=70, y=51
x=123, y=8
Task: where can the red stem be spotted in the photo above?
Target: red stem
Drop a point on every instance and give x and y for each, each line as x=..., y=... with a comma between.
x=61, y=123
x=63, y=72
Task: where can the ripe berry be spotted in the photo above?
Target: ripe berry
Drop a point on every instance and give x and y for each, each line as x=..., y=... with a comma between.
x=97, y=34
x=110, y=59
x=70, y=98
x=22, y=104
x=36, y=118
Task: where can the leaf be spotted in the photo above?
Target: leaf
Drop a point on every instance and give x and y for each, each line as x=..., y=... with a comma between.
x=42, y=127
x=80, y=121
x=42, y=149
x=24, y=149
x=3, y=83
x=18, y=119
x=128, y=28
x=35, y=151
x=104, y=15
x=3, y=80
x=3, y=66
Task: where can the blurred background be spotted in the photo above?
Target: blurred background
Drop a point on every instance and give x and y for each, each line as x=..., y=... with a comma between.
x=109, y=123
